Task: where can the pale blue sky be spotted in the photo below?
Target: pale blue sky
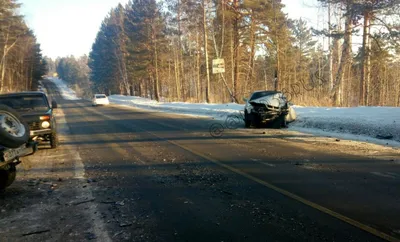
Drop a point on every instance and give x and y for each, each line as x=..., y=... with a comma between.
x=69, y=27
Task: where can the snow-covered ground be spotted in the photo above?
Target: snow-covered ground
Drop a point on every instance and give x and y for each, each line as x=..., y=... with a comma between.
x=376, y=122
x=218, y=111
x=373, y=124
x=66, y=92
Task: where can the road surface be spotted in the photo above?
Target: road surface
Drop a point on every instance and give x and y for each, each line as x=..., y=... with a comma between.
x=125, y=174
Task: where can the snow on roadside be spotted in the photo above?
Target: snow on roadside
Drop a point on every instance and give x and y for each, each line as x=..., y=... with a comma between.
x=374, y=124
x=66, y=92
x=218, y=111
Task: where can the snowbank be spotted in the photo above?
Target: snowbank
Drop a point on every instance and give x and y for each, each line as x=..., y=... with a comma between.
x=66, y=92
x=376, y=122
x=219, y=111
x=362, y=122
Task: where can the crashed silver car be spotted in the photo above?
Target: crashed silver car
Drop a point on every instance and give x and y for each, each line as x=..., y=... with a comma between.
x=269, y=108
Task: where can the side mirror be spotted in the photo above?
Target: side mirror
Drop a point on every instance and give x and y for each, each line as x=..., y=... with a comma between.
x=53, y=104
x=245, y=99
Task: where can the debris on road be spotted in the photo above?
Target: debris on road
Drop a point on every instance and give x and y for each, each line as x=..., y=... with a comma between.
x=121, y=203
x=40, y=231
x=125, y=224
x=84, y=201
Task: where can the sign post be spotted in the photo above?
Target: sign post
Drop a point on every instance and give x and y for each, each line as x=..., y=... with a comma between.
x=218, y=66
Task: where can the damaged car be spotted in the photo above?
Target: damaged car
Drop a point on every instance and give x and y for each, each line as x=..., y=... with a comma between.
x=269, y=108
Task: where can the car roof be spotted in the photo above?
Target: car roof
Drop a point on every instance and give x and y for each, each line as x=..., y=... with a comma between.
x=14, y=94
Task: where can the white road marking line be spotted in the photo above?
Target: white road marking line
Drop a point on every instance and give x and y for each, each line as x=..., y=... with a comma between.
x=268, y=164
x=93, y=215
x=263, y=163
x=383, y=174
x=392, y=174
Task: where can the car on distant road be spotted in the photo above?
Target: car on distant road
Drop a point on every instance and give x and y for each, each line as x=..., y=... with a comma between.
x=100, y=99
x=268, y=107
x=35, y=109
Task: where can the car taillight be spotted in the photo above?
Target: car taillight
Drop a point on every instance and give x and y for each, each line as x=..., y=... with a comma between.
x=42, y=118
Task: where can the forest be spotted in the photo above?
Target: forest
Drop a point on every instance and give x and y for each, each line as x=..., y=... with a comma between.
x=21, y=63
x=164, y=50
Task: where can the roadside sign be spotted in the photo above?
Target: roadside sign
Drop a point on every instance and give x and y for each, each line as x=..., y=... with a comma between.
x=218, y=66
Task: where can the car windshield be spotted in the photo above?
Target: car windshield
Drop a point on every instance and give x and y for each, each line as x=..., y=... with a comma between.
x=100, y=96
x=25, y=103
x=257, y=95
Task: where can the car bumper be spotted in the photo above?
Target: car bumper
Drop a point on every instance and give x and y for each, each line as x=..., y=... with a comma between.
x=40, y=132
x=9, y=155
x=269, y=115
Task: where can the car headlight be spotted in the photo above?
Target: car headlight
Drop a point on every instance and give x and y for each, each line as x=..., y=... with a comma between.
x=45, y=124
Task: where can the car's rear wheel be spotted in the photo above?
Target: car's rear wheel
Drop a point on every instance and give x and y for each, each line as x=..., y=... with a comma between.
x=54, y=140
x=14, y=132
x=7, y=176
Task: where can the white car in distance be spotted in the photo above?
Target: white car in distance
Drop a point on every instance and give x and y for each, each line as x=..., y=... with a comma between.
x=100, y=99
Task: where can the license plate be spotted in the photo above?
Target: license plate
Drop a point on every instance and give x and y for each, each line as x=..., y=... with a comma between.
x=14, y=153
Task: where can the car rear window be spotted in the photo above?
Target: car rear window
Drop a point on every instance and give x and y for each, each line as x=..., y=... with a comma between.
x=101, y=96
x=26, y=103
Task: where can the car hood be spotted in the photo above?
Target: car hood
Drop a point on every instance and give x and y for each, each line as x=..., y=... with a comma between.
x=275, y=100
x=34, y=116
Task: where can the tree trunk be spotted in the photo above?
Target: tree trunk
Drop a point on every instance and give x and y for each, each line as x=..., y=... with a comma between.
x=156, y=82
x=278, y=67
x=277, y=71
x=199, y=98
x=366, y=59
x=252, y=53
x=236, y=46
x=177, y=83
x=181, y=65
x=330, y=49
x=345, y=56
x=205, y=2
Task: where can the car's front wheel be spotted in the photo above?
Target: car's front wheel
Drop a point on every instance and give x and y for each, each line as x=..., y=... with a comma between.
x=247, y=121
x=54, y=140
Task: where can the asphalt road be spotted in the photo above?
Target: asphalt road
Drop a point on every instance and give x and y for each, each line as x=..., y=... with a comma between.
x=162, y=177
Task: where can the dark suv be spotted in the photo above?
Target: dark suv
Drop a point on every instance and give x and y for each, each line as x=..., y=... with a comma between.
x=35, y=109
